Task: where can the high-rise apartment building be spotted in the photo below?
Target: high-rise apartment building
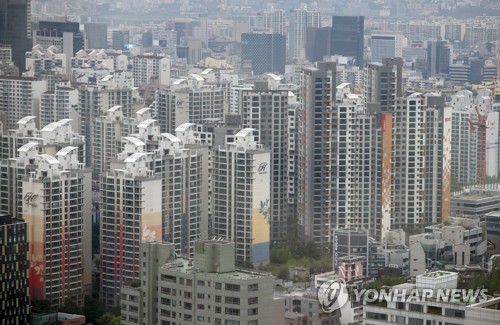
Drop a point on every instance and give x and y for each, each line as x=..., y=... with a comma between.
x=156, y=165
x=148, y=67
x=348, y=37
x=20, y=159
x=265, y=109
x=57, y=204
x=109, y=134
x=49, y=63
x=438, y=136
x=421, y=138
x=190, y=100
x=15, y=28
x=267, y=52
x=20, y=97
x=274, y=21
x=97, y=35
x=51, y=138
x=316, y=152
x=96, y=100
x=14, y=293
x=240, y=197
x=383, y=84
x=299, y=21
x=353, y=201
x=62, y=103
x=463, y=140
x=207, y=289
x=131, y=212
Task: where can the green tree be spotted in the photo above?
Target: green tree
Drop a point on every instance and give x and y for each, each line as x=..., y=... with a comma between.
x=70, y=307
x=280, y=255
x=93, y=309
x=109, y=319
x=455, y=186
x=490, y=281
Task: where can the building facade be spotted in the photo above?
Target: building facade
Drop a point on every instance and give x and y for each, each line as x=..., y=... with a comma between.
x=240, y=197
x=347, y=37
x=57, y=205
x=15, y=270
x=205, y=290
x=267, y=52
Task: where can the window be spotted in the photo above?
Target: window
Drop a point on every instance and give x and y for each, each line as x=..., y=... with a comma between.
x=218, y=285
x=415, y=321
x=400, y=320
x=168, y=278
x=253, y=287
x=232, y=311
x=434, y=310
x=400, y=305
x=254, y=300
x=253, y=311
x=454, y=313
x=415, y=307
x=232, y=287
x=376, y=316
x=232, y=300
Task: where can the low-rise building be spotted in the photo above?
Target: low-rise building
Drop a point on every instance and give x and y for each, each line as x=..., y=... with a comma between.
x=493, y=231
x=304, y=305
x=207, y=289
x=475, y=202
x=431, y=310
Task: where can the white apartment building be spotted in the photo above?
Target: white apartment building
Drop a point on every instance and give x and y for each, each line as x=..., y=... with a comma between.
x=190, y=100
x=22, y=145
x=96, y=100
x=20, y=97
x=108, y=132
x=315, y=153
x=96, y=59
x=466, y=136
x=56, y=204
x=156, y=165
x=274, y=21
x=299, y=20
x=265, y=109
x=350, y=74
x=181, y=168
x=240, y=196
x=353, y=199
x=148, y=67
x=50, y=59
x=421, y=194
x=438, y=136
x=131, y=212
x=207, y=289
x=404, y=310
x=62, y=103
